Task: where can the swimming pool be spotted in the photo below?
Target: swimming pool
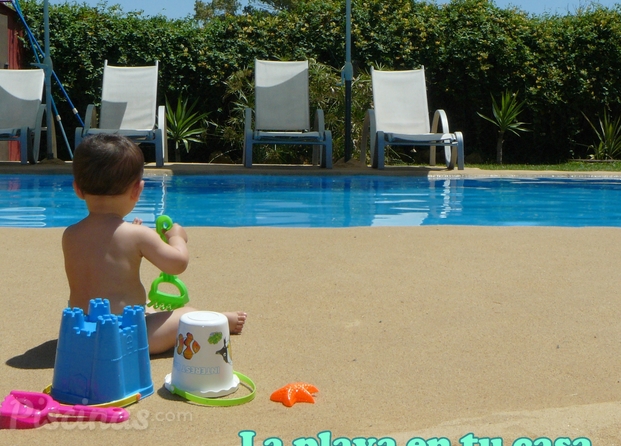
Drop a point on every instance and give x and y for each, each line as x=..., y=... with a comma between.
x=329, y=201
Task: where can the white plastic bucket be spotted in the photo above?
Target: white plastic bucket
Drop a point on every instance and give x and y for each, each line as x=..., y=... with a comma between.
x=202, y=363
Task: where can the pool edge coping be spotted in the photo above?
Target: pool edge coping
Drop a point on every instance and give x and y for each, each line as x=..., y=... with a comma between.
x=343, y=169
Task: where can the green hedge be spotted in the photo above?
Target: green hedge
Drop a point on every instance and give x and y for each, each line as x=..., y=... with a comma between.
x=562, y=66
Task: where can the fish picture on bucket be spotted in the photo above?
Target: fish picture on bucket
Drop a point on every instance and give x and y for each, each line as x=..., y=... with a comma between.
x=187, y=346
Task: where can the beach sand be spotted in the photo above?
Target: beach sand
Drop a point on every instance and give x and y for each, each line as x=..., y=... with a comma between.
x=502, y=332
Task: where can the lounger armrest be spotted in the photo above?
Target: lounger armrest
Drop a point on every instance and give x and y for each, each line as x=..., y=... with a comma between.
x=440, y=115
x=320, y=123
x=368, y=131
x=90, y=121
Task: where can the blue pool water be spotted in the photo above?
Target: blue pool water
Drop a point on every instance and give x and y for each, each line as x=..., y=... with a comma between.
x=328, y=201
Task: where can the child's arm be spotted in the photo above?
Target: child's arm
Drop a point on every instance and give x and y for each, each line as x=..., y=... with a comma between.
x=171, y=257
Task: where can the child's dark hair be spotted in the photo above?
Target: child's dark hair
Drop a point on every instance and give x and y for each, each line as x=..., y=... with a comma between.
x=107, y=164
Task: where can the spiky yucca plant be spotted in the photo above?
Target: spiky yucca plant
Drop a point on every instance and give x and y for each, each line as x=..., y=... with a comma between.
x=184, y=125
x=609, y=136
x=506, y=119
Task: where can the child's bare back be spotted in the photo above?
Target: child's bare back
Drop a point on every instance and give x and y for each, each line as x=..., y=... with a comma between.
x=99, y=261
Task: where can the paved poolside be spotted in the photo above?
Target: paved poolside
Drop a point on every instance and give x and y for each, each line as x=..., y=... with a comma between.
x=407, y=332
x=353, y=167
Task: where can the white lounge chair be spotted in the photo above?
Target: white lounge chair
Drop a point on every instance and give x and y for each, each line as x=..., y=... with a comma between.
x=400, y=116
x=128, y=107
x=21, y=111
x=282, y=115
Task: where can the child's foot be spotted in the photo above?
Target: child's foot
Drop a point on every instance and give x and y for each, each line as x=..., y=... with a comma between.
x=237, y=320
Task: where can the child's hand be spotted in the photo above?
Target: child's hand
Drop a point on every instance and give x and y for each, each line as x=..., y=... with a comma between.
x=176, y=231
x=137, y=221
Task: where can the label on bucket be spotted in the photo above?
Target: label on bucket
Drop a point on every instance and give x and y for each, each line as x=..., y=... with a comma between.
x=196, y=370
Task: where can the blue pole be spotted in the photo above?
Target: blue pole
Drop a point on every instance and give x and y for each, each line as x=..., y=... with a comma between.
x=348, y=75
x=48, y=69
x=35, y=45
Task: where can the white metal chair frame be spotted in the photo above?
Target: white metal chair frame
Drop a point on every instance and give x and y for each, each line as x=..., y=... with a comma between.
x=139, y=127
x=378, y=139
x=21, y=110
x=293, y=128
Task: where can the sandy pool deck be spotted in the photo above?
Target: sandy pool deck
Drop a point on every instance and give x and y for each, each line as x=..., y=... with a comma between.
x=502, y=332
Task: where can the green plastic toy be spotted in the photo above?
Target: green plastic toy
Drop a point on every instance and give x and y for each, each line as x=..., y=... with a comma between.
x=158, y=299
x=222, y=402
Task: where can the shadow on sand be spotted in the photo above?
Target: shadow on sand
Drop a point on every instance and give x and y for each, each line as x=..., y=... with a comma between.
x=40, y=357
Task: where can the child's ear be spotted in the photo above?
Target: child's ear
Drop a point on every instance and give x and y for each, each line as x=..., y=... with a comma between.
x=78, y=191
x=137, y=189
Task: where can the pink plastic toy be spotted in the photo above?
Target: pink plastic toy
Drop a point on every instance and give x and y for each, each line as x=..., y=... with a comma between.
x=27, y=410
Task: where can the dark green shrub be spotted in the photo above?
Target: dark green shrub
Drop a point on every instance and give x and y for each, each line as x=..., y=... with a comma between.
x=562, y=66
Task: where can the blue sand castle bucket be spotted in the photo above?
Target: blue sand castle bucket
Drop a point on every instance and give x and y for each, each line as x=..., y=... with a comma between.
x=101, y=357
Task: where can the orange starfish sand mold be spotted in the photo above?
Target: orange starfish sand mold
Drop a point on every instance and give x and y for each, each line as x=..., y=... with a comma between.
x=295, y=393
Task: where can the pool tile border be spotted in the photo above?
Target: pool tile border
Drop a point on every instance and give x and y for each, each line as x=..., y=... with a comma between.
x=351, y=168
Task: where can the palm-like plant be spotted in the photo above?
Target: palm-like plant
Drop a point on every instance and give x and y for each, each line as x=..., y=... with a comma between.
x=184, y=125
x=506, y=119
x=609, y=136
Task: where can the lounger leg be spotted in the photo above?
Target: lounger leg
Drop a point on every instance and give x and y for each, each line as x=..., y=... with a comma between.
x=378, y=155
x=247, y=155
x=23, y=145
x=159, y=156
x=317, y=155
x=32, y=149
x=460, y=150
x=159, y=148
x=432, y=155
x=327, y=151
x=248, y=138
x=374, y=154
x=450, y=155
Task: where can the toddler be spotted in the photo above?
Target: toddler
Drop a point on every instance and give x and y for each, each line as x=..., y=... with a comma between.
x=103, y=252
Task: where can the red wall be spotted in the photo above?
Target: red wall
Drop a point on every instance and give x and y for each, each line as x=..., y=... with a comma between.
x=15, y=59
